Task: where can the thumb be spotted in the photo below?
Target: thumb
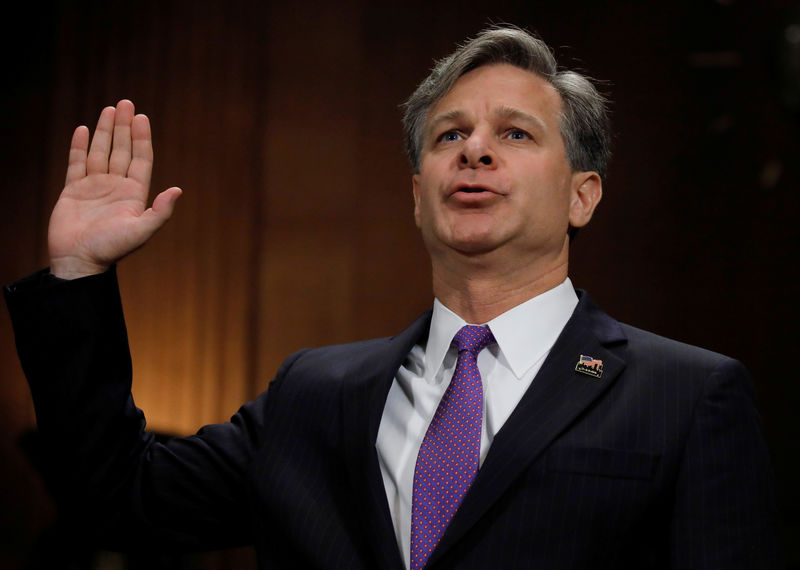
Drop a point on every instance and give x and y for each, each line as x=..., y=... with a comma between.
x=162, y=207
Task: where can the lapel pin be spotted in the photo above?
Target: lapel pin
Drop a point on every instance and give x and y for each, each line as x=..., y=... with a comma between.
x=589, y=365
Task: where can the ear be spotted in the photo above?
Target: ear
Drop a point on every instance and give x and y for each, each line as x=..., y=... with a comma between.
x=587, y=189
x=415, y=190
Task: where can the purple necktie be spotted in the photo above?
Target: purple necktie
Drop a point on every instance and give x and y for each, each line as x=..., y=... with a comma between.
x=450, y=452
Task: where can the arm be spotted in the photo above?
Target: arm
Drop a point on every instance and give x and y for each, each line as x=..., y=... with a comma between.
x=725, y=514
x=108, y=475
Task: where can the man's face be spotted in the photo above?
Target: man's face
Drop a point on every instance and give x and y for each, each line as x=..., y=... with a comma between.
x=494, y=172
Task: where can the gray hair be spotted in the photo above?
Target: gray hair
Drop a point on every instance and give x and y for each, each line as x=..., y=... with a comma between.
x=584, y=122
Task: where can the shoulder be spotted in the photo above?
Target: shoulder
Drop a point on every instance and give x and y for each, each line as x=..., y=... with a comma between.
x=640, y=347
x=333, y=359
x=650, y=361
x=682, y=372
x=356, y=360
x=650, y=347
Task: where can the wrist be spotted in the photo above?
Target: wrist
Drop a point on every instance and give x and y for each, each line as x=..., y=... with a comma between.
x=72, y=268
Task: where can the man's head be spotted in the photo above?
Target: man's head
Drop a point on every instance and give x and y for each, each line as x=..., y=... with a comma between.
x=584, y=122
x=507, y=154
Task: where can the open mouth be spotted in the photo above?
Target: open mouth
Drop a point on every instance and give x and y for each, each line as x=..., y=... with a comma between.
x=472, y=190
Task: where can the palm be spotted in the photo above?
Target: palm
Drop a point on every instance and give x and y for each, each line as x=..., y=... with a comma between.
x=98, y=215
x=101, y=215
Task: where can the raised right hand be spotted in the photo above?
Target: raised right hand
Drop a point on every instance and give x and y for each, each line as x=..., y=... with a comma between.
x=102, y=215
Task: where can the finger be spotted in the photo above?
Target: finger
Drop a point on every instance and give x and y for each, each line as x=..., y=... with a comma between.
x=163, y=206
x=76, y=167
x=120, y=157
x=97, y=160
x=165, y=201
x=142, y=160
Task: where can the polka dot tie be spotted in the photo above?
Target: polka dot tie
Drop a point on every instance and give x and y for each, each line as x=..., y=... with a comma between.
x=448, y=457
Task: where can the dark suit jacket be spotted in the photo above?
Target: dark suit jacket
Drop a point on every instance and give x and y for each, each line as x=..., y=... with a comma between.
x=659, y=463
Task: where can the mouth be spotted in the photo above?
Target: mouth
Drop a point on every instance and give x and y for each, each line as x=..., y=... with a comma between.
x=472, y=190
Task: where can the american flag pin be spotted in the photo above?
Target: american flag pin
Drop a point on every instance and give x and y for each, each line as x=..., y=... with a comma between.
x=589, y=365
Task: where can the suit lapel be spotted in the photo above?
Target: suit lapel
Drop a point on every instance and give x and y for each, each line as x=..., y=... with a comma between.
x=363, y=400
x=556, y=397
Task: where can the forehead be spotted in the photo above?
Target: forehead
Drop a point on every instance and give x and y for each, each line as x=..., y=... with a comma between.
x=500, y=86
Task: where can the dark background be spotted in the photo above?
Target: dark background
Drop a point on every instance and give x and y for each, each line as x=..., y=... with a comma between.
x=281, y=123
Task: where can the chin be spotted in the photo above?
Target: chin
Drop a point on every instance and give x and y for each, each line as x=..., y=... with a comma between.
x=474, y=244
x=472, y=238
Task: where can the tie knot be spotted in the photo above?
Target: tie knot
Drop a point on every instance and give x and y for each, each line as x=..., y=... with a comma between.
x=473, y=338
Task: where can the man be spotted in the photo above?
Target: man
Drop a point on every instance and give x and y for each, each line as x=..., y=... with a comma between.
x=513, y=426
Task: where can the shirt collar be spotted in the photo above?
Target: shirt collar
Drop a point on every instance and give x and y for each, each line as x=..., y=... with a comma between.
x=524, y=333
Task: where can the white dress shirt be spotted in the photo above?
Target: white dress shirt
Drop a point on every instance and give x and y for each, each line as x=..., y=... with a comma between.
x=524, y=335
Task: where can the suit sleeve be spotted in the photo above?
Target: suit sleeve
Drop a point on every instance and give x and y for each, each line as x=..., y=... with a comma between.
x=725, y=514
x=104, y=470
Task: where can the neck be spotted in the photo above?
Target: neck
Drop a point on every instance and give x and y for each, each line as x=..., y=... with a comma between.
x=479, y=288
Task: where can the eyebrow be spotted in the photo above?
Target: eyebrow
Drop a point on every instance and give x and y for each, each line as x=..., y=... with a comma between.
x=455, y=115
x=512, y=113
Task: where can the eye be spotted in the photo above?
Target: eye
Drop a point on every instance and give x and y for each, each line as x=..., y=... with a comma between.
x=449, y=136
x=517, y=135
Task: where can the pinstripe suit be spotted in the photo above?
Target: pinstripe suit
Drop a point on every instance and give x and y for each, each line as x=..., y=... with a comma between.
x=659, y=463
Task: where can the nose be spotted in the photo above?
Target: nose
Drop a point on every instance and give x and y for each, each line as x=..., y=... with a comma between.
x=477, y=152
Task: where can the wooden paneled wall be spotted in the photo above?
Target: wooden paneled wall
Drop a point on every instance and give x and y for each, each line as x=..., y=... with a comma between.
x=281, y=123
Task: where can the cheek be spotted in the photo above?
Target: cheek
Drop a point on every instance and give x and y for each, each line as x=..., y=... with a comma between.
x=556, y=196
